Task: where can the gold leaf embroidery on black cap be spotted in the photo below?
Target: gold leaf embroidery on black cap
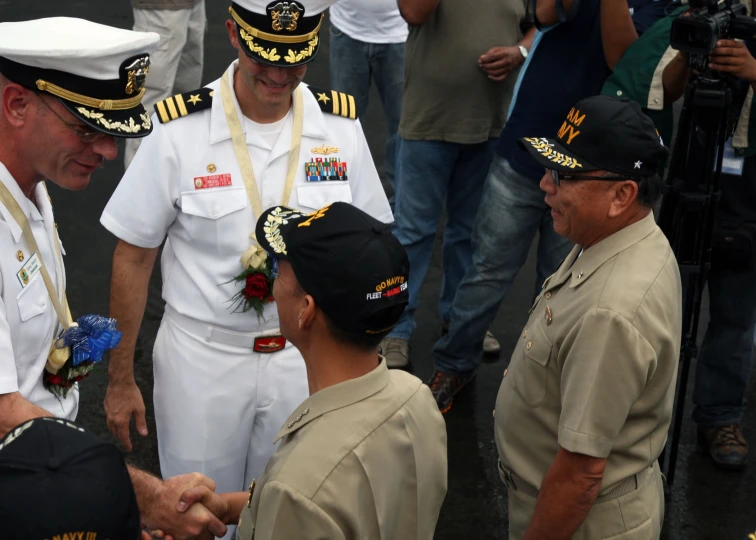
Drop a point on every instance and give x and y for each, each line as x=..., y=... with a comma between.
x=127, y=127
x=275, y=219
x=268, y=54
x=547, y=150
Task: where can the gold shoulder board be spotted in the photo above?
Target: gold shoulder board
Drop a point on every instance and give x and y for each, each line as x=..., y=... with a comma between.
x=333, y=102
x=183, y=104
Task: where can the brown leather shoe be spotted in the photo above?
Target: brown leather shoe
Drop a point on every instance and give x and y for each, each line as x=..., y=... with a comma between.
x=444, y=386
x=725, y=445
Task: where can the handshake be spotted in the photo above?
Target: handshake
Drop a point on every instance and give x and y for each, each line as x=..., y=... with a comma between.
x=181, y=507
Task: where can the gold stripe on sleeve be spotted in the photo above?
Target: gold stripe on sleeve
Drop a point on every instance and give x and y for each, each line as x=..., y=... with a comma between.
x=335, y=95
x=352, y=108
x=162, y=112
x=181, y=105
x=172, y=108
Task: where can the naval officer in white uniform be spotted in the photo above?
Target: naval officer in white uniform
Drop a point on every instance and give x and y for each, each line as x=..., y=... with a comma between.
x=225, y=380
x=68, y=87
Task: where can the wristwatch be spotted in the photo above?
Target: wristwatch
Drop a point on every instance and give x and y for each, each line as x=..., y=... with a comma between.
x=523, y=51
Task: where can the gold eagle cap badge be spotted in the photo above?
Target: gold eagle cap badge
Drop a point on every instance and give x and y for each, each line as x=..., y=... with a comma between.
x=285, y=15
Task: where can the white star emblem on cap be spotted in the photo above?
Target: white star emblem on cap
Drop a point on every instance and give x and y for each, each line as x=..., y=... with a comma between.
x=638, y=164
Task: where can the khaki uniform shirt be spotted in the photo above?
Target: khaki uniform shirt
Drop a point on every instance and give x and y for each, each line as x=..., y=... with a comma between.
x=595, y=368
x=363, y=459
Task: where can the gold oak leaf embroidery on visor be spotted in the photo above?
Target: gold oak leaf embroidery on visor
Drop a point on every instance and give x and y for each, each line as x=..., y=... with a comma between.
x=293, y=57
x=547, y=150
x=127, y=127
x=268, y=54
x=275, y=219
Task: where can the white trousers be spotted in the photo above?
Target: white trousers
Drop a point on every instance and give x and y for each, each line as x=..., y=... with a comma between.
x=176, y=65
x=218, y=407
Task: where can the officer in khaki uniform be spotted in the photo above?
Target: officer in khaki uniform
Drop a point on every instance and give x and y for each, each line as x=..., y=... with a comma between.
x=585, y=404
x=364, y=457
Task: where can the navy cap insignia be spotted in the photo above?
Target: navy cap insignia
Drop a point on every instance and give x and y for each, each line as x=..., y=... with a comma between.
x=285, y=15
x=137, y=74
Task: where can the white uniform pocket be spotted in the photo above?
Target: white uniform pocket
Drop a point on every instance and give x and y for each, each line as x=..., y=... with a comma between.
x=213, y=204
x=32, y=300
x=316, y=195
x=217, y=220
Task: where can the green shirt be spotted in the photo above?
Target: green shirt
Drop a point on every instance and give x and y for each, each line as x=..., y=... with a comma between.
x=638, y=76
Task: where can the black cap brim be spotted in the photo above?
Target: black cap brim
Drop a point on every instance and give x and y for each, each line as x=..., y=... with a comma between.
x=273, y=54
x=129, y=123
x=552, y=155
x=271, y=229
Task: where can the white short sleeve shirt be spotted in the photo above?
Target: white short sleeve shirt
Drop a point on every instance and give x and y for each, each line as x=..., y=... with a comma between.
x=28, y=323
x=208, y=228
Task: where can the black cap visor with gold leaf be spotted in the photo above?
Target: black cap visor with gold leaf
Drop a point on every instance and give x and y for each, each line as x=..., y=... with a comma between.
x=282, y=37
x=113, y=107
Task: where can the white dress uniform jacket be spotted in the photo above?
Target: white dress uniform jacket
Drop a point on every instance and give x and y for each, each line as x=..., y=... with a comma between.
x=219, y=404
x=28, y=323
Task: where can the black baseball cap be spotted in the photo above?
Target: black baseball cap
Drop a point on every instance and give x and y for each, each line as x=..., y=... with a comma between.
x=602, y=133
x=348, y=261
x=57, y=478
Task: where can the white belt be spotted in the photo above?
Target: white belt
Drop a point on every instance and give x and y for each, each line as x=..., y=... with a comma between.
x=209, y=332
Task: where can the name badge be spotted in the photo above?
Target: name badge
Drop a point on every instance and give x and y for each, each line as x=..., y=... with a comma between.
x=731, y=164
x=28, y=270
x=216, y=180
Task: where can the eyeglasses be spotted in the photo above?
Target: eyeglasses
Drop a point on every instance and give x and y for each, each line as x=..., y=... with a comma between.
x=87, y=135
x=557, y=177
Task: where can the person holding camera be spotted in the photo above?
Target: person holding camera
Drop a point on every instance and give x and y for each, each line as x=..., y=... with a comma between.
x=656, y=75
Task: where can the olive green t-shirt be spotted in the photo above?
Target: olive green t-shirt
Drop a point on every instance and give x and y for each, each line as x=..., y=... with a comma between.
x=447, y=96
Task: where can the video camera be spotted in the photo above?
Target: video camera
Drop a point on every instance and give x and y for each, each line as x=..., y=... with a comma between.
x=697, y=31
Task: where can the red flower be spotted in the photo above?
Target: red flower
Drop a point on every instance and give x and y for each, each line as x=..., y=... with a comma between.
x=256, y=286
x=58, y=381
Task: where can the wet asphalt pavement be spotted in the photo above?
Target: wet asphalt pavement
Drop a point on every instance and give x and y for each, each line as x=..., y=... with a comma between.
x=704, y=503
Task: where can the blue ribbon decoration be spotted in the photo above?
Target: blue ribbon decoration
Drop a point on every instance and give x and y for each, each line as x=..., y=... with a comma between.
x=91, y=338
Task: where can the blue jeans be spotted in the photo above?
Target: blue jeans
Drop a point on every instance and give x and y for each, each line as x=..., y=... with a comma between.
x=430, y=174
x=352, y=65
x=724, y=363
x=511, y=212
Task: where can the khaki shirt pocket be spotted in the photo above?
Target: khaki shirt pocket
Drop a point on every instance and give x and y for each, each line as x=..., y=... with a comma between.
x=530, y=372
x=316, y=195
x=32, y=300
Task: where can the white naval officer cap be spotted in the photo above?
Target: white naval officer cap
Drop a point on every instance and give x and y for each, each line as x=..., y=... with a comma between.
x=281, y=33
x=96, y=71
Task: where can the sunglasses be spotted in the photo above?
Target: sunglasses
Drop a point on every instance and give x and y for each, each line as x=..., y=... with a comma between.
x=557, y=177
x=87, y=135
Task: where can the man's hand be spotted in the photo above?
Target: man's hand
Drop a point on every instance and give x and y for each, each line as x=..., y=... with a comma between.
x=122, y=401
x=214, y=502
x=196, y=522
x=498, y=62
x=733, y=57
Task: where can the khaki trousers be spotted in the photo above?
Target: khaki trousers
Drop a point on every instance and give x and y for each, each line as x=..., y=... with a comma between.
x=637, y=515
x=176, y=65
